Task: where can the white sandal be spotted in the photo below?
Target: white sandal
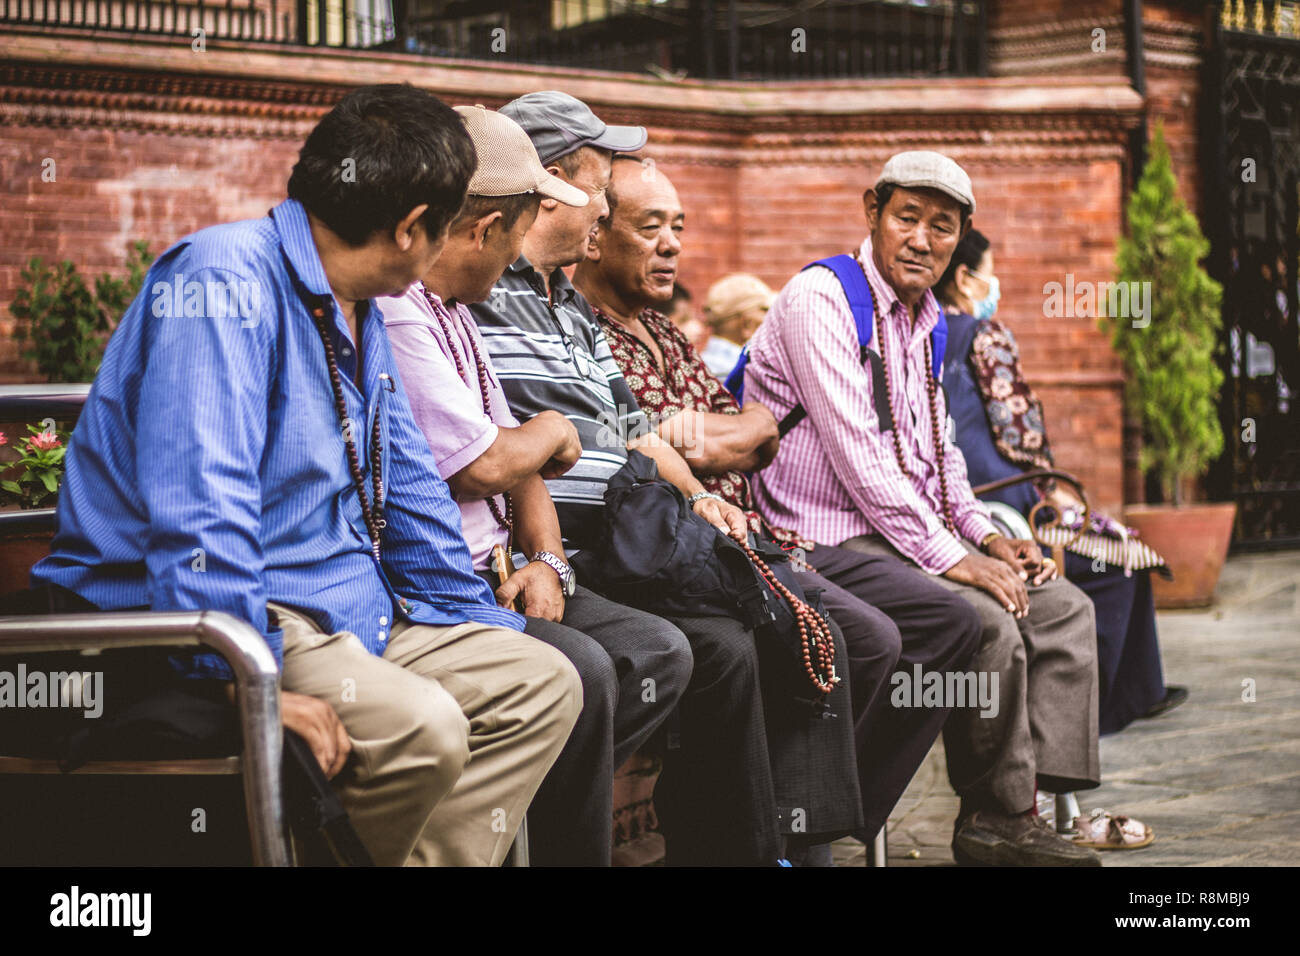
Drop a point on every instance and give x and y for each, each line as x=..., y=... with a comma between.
x=1106, y=831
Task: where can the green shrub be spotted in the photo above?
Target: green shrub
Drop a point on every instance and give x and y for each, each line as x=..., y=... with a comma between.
x=62, y=325
x=1172, y=378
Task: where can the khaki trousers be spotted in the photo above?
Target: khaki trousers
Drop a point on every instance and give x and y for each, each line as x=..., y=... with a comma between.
x=1045, y=732
x=452, y=731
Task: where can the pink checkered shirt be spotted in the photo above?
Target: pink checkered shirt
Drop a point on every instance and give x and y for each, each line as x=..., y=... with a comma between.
x=836, y=476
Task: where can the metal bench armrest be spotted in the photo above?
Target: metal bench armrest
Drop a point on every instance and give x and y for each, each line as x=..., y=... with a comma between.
x=257, y=683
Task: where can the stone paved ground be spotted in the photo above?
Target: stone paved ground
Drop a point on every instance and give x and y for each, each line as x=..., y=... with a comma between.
x=1218, y=779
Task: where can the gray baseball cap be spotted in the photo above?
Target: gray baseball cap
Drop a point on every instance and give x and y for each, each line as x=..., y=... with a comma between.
x=559, y=124
x=923, y=168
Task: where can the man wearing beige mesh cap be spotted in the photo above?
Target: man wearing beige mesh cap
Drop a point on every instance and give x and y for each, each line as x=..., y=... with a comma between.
x=853, y=344
x=497, y=468
x=735, y=307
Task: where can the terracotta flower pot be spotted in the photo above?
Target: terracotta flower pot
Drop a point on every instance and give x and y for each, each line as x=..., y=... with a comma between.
x=19, y=550
x=1194, y=540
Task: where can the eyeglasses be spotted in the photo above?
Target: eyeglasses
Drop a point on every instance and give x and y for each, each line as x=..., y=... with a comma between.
x=987, y=280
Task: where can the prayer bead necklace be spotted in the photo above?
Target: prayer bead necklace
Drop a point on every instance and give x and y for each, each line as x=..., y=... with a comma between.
x=373, y=516
x=505, y=520
x=815, y=639
x=931, y=387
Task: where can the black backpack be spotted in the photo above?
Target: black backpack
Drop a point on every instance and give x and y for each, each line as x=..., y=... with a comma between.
x=658, y=555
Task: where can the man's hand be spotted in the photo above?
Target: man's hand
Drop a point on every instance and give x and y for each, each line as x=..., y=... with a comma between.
x=539, y=586
x=1023, y=557
x=315, y=721
x=568, y=446
x=994, y=576
x=727, y=518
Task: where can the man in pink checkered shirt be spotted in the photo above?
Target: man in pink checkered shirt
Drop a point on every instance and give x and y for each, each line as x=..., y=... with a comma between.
x=841, y=478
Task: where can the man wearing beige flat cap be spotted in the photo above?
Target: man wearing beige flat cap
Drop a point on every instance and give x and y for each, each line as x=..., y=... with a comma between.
x=497, y=468
x=853, y=344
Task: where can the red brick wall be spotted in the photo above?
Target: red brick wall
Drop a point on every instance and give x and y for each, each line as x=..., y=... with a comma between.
x=771, y=177
x=115, y=186
x=1044, y=221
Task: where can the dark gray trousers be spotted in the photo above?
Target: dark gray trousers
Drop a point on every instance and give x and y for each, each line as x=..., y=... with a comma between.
x=1044, y=734
x=892, y=619
x=715, y=800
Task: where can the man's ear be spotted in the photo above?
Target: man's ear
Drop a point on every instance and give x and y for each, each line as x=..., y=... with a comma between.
x=593, y=241
x=404, y=232
x=479, y=231
x=869, y=208
x=965, y=228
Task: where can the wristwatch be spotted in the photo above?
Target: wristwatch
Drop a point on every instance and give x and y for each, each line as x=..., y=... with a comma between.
x=988, y=539
x=568, y=579
x=700, y=496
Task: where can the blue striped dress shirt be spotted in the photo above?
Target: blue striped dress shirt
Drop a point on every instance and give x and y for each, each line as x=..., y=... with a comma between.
x=208, y=469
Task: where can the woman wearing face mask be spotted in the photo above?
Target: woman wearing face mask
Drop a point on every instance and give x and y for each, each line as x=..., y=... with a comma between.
x=1001, y=433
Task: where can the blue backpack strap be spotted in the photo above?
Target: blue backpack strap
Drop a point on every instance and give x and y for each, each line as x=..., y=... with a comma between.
x=938, y=344
x=856, y=290
x=735, y=381
x=858, y=293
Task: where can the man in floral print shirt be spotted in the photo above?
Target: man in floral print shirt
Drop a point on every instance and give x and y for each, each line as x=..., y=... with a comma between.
x=891, y=619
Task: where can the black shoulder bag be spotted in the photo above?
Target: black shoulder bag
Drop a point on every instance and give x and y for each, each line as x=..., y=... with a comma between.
x=656, y=554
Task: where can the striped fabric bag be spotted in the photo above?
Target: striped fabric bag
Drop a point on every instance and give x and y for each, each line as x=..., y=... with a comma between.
x=1105, y=540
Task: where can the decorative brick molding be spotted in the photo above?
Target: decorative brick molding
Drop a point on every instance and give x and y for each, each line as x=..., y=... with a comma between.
x=1046, y=48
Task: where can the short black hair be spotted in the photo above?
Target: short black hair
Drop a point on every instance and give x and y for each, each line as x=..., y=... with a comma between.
x=379, y=153
x=970, y=250
x=885, y=190
x=511, y=207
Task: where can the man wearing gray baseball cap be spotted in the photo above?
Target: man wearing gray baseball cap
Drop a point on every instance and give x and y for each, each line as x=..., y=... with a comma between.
x=715, y=799
x=855, y=345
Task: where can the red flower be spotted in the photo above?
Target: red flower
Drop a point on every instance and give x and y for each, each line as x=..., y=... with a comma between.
x=3, y=439
x=44, y=441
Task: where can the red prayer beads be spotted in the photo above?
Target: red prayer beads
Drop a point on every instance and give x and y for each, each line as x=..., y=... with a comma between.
x=815, y=638
x=930, y=388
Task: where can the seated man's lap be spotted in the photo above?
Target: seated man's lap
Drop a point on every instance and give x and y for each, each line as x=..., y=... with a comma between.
x=370, y=694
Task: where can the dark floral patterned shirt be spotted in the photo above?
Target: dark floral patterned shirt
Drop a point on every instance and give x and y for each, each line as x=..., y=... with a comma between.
x=685, y=383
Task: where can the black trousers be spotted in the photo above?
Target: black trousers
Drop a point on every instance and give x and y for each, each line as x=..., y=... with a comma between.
x=892, y=619
x=1130, y=677
x=715, y=799
x=634, y=668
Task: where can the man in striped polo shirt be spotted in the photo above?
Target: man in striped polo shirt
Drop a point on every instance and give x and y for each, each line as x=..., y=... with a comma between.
x=716, y=799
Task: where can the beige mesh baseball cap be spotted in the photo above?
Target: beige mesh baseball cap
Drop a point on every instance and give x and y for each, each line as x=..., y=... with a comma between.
x=508, y=163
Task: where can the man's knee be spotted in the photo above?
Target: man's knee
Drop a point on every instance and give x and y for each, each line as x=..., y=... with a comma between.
x=664, y=659
x=559, y=691
x=959, y=618
x=438, y=736
x=724, y=652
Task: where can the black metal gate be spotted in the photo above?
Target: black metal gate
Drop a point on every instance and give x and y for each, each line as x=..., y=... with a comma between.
x=1252, y=172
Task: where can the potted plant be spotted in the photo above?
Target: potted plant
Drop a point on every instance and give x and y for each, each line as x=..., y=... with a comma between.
x=29, y=480
x=1172, y=381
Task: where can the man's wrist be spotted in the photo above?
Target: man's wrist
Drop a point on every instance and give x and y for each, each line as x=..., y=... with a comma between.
x=987, y=541
x=563, y=570
x=699, y=496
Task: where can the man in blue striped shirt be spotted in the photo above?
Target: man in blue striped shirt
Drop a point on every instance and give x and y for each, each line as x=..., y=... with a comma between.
x=248, y=447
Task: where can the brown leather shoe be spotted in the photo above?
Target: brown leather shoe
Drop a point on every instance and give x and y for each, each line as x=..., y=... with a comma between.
x=991, y=838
